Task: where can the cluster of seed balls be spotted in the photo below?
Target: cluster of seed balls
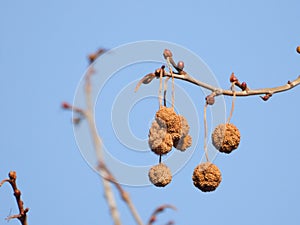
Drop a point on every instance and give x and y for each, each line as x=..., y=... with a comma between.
x=225, y=138
x=171, y=130
x=167, y=130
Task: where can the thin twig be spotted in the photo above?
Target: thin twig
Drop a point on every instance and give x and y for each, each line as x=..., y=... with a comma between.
x=124, y=195
x=205, y=133
x=22, y=216
x=232, y=103
x=160, y=88
x=165, y=90
x=158, y=210
x=173, y=83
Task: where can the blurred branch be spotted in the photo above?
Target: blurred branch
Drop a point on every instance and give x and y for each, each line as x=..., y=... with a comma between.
x=158, y=210
x=89, y=115
x=124, y=195
x=106, y=175
x=22, y=216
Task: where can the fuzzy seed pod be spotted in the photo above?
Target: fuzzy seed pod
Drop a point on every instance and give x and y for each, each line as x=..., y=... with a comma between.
x=185, y=128
x=183, y=143
x=160, y=175
x=207, y=177
x=160, y=141
x=167, y=116
x=226, y=137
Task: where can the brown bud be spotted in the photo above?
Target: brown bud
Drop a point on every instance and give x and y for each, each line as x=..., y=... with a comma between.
x=167, y=53
x=266, y=97
x=243, y=86
x=12, y=175
x=210, y=99
x=233, y=78
x=180, y=65
x=65, y=105
x=17, y=193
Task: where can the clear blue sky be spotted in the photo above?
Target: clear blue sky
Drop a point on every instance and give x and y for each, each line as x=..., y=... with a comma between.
x=43, y=49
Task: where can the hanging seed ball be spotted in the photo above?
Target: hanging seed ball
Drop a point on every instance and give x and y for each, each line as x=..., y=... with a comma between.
x=183, y=143
x=185, y=128
x=159, y=140
x=226, y=137
x=298, y=49
x=207, y=177
x=167, y=116
x=160, y=175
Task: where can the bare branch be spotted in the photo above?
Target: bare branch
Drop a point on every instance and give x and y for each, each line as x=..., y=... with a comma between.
x=106, y=175
x=124, y=195
x=22, y=216
x=89, y=115
x=245, y=90
x=158, y=210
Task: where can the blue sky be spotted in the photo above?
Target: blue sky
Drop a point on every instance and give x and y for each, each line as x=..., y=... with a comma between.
x=43, y=49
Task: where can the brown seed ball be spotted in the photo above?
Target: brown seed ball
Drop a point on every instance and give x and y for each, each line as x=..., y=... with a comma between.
x=159, y=140
x=160, y=175
x=185, y=128
x=183, y=143
x=167, y=117
x=207, y=177
x=298, y=49
x=226, y=137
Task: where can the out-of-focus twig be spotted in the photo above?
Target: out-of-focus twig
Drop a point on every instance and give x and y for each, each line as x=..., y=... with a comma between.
x=22, y=216
x=97, y=142
x=158, y=210
x=124, y=195
x=106, y=175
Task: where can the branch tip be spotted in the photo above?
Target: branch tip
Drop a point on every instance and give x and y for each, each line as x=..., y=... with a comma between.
x=233, y=78
x=167, y=53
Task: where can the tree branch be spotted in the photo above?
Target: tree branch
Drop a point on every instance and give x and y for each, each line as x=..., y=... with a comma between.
x=218, y=91
x=158, y=210
x=183, y=75
x=22, y=216
x=89, y=115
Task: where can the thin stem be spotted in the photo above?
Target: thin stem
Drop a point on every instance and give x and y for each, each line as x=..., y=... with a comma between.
x=232, y=104
x=205, y=133
x=160, y=88
x=165, y=90
x=125, y=196
x=173, y=82
x=158, y=210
